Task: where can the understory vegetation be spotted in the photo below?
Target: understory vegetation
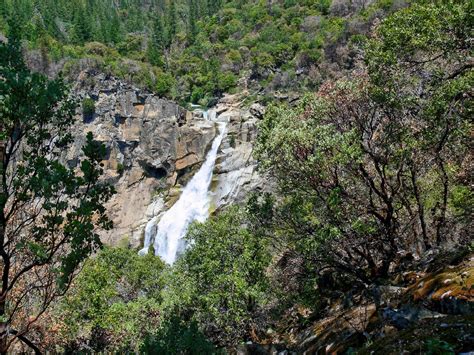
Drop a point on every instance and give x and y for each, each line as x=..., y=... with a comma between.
x=372, y=168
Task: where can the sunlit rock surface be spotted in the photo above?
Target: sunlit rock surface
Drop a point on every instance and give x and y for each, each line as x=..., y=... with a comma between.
x=236, y=170
x=232, y=169
x=152, y=144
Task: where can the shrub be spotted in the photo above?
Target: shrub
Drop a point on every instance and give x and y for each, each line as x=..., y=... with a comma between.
x=98, y=48
x=164, y=83
x=88, y=107
x=227, y=81
x=177, y=337
x=437, y=346
x=116, y=293
x=224, y=256
x=132, y=43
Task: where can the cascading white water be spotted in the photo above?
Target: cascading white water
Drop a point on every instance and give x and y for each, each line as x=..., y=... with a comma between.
x=193, y=205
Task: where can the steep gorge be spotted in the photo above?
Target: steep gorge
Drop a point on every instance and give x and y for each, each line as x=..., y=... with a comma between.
x=155, y=146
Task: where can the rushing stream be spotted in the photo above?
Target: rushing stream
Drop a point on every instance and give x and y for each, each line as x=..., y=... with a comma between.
x=193, y=205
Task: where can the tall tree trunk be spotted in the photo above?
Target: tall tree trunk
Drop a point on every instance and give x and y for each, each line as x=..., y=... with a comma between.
x=5, y=270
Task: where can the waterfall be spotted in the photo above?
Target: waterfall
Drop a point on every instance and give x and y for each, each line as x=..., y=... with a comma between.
x=193, y=205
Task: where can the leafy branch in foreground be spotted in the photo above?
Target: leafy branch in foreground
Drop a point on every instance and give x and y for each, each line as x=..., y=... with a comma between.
x=49, y=213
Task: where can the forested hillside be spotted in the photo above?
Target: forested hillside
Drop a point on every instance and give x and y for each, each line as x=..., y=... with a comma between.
x=356, y=235
x=196, y=50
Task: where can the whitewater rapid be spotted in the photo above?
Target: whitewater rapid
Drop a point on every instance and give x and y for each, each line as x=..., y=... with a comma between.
x=193, y=205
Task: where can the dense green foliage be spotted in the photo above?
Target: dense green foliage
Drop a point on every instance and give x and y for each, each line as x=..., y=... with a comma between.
x=378, y=160
x=120, y=302
x=114, y=301
x=224, y=274
x=88, y=107
x=48, y=212
x=176, y=336
x=196, y=50
x=77, y=22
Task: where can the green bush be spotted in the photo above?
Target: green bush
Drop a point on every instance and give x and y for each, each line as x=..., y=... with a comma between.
x=227, y=81
x=120, y=168
x=100, y=49
x=117, y=292
x=164, y=83
x=88, y=107
x=224, y=256
x=132, y=43
x=197, y=94
x=178, y=337
x=436, y=346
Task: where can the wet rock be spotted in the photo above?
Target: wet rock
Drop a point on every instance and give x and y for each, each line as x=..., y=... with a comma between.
x=230, y=116
x=155, y=208
x=221, y=108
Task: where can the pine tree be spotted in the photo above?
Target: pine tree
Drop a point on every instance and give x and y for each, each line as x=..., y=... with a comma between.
x=114, y=34
x=157, y=42
x=81, y=26
x=158, y=33
x=171, y=26
x=213, y=6
x=193, y=14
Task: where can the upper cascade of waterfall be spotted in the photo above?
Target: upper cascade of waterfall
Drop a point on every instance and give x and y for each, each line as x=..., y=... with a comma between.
x=193, y=205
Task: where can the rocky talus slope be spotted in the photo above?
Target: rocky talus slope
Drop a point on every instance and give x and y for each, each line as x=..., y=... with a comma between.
x=154, y=146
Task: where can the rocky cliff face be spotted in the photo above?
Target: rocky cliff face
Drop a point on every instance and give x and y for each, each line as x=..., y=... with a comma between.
x=154, y=146
x=235, y=175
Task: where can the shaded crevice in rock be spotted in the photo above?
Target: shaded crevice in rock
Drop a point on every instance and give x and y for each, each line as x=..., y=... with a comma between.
x=119, y=120
x=155, y=172
x=184, y=175
x=126, y=147
x=88, y=118
x=108, y=150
